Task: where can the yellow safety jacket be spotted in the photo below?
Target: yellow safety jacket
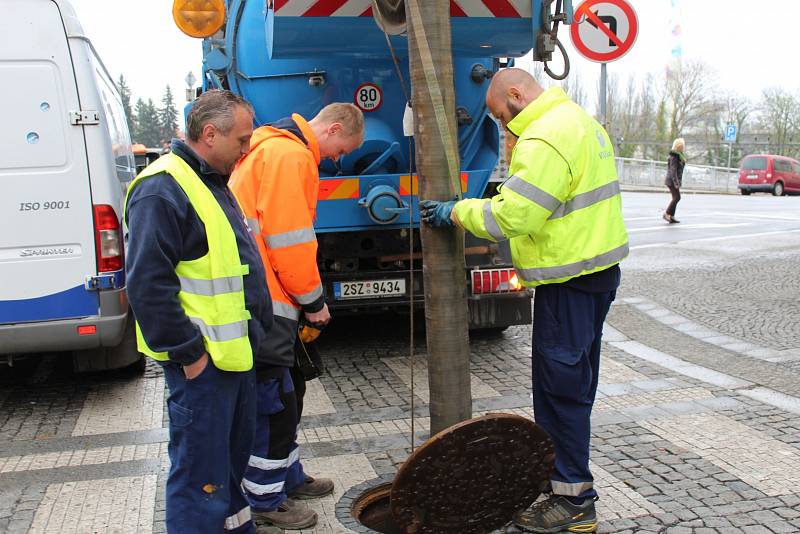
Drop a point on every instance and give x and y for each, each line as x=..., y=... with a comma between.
x=212, y=286
x=561, y=208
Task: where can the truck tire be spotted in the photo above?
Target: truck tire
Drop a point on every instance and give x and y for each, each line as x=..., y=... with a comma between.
x=124, y=355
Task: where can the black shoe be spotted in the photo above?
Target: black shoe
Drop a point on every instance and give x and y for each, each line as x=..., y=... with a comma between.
x=673, y=220
x=557, y=514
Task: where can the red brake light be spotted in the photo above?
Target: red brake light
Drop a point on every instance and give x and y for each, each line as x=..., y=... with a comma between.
x=107, y=239
x=486, y=281
x=86, y=330
x=477, y=287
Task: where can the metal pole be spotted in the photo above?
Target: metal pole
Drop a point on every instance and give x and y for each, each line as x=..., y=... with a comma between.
x=730, y=149
x=603, y=90
x=438, y=167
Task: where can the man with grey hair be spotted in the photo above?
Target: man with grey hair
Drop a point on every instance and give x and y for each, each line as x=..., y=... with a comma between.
x=197, y=289
x=277, y=184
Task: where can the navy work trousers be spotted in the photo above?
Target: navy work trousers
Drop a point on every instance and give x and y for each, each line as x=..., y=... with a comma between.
x=274, y=469
x=567, y=327
x=211, y=429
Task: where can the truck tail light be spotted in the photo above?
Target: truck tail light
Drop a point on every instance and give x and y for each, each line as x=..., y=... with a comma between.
x=487, y=281
x=107, y=239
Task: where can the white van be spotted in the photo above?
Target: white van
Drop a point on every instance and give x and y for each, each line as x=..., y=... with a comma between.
x=65, y=161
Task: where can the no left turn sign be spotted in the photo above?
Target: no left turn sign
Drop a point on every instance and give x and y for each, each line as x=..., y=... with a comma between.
x=604, y=30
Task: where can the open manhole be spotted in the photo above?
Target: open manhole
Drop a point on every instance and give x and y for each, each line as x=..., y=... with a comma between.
x=468, y=479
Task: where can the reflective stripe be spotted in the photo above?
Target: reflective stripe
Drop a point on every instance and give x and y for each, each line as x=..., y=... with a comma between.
x=254, y=226
x=541, y=274
x=287, y=239
x=209, y=288
x=311, y=296
x=572, y=489
x=262, y=489
x=532, y=193
x=491, y=223
x=282, y=309
x=265, y=464
x=242, y=517
x=221, y=332
x=584, y=200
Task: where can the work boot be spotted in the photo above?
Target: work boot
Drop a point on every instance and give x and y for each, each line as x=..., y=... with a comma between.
x=312, y=488
x=557, y=514
x=290, y=515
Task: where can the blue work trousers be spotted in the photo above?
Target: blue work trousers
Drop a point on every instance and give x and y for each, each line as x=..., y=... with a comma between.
x=274, y=469
x=211, y=429
x=567, y=328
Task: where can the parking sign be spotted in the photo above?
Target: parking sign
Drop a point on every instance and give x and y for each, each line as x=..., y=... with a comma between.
x=730, y=133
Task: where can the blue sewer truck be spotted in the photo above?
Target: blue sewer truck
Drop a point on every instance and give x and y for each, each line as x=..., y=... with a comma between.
x=296, y=56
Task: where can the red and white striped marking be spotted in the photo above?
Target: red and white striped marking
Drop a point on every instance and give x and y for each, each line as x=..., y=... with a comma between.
x=363, y=8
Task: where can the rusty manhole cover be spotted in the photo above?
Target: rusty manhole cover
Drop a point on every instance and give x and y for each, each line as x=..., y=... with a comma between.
x=472, y=477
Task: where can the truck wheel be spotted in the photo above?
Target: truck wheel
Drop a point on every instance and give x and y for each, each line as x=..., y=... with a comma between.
x=124, y=355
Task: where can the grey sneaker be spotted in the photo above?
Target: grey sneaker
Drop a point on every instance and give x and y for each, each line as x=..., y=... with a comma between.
x=557, y=514
x=290, y=515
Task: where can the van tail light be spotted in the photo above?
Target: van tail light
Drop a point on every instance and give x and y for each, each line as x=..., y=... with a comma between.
x=769, y=175
x=487, y=281
x=107, y=239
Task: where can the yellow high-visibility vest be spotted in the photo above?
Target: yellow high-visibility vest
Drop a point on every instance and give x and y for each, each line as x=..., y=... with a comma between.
x=212, y=286
x=561, y=209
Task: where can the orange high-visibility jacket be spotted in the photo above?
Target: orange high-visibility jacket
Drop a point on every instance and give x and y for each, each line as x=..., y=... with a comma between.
x=277, y=184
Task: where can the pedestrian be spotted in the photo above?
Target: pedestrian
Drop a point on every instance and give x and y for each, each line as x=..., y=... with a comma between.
x=675, y=164
x=196, y=285
x=277, y=184
x=561, y=212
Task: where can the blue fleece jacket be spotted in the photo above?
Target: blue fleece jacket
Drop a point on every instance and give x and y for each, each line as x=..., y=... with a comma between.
x=163, y=229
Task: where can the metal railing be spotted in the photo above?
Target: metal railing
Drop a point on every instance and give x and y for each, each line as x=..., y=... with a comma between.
x=649, y=173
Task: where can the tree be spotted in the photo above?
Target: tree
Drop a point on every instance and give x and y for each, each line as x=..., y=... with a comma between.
x=780, y=117
x=442, y=248
x=688, y=93
x=125, y=95
x=660, y=135
x=167, y=117
x=573, y=86
x=148, y=131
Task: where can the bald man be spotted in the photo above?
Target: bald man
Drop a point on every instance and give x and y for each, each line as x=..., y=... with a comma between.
x=561, y=212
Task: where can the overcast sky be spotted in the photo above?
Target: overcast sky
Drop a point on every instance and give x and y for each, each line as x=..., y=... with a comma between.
x=751, y=45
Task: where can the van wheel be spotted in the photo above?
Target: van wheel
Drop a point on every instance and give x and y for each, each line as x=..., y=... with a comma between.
x=745, y=192
x=777, y=189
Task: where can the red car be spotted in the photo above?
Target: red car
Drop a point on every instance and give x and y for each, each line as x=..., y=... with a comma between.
x=769, y=174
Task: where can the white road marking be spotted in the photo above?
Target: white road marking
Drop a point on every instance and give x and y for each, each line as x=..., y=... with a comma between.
x=757, y=216
x=707, y=226
x=738, y=236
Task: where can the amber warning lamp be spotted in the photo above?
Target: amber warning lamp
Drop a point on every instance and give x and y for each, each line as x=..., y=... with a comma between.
x=199, y=18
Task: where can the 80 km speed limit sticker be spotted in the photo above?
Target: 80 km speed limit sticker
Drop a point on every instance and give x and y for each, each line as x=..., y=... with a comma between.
x=368, y=97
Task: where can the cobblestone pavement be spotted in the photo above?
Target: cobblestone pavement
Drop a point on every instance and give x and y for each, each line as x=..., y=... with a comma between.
x=696, y=428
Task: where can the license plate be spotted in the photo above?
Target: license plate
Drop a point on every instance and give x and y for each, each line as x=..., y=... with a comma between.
x=369, y=289
x=752, y=176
